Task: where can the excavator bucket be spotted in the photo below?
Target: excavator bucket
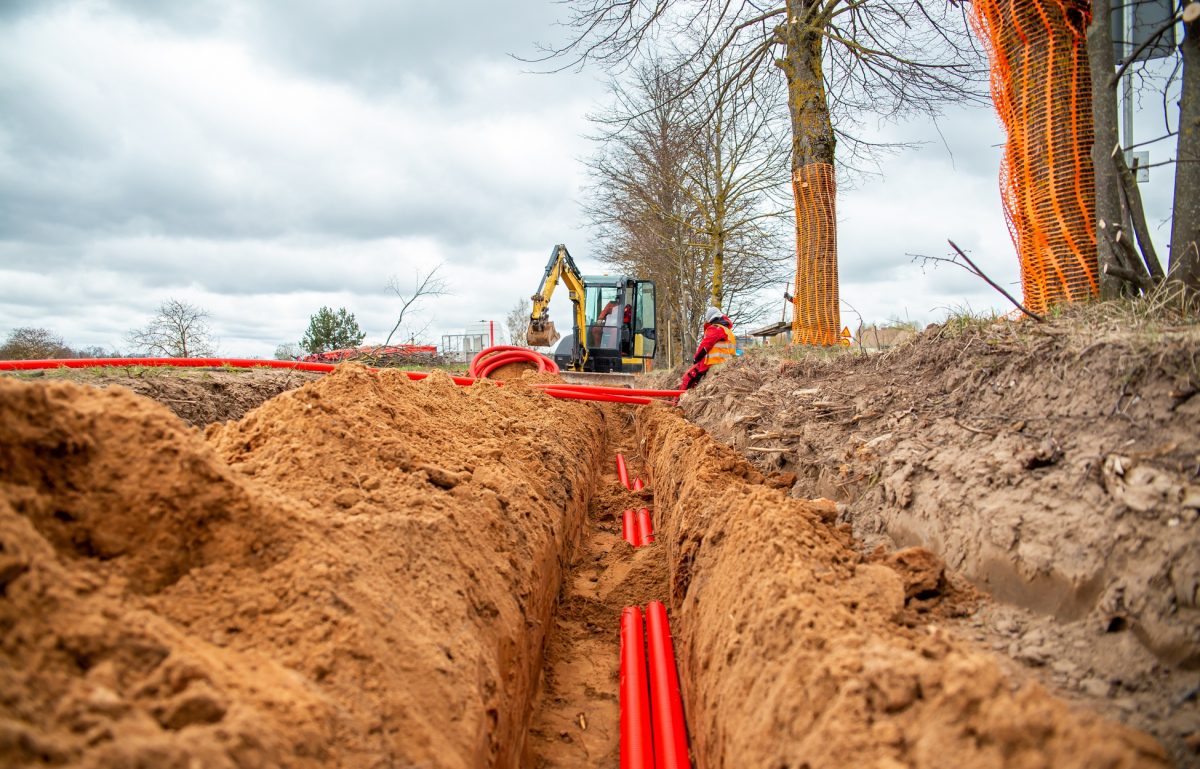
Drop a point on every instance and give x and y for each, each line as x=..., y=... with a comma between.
x=544, y=336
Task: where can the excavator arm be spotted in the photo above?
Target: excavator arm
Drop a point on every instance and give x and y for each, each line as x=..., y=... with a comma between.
x=541, y=330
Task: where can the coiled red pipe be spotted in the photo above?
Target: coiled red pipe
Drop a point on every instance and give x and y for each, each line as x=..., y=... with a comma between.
x=645, y=528
x=670, y=732
x=488, y=360
x=622, y=471
x=637, y=746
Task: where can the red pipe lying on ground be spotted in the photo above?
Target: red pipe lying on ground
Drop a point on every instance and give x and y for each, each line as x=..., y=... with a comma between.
x=601, y=395
x=31, y=365
x=629, y=531
x=638, y=485
x=603, y=388
x=637, y=746
x=670, y=732
x=645, y=528
x=622, y=471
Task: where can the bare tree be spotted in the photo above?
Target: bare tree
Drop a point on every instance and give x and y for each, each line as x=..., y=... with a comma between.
x=842, y=60
x=638, y=200
x=179, y=330
x=1185, y=215
x=428, y=285
x=288, y=351
x=1104, y=117
x=738, y=185
x=29, y=343
x=687, y=192
x=517, y=322
x=1127, y=258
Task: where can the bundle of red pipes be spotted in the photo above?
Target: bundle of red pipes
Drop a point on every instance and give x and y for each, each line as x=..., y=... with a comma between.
x=653, y=734
x=557, y=390
x=637, y=528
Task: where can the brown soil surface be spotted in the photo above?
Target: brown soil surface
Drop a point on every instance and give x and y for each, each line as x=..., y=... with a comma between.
x=795, y=651
x=372, y=572
x=197, y=396
x=1056, y=467
x=359, y=573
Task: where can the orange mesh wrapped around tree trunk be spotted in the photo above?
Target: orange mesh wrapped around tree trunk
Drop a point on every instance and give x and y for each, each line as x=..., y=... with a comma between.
x=1042, y=92
x=817, y=317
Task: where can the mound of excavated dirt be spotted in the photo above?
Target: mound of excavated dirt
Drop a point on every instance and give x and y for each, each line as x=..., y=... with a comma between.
x=197, y=396
x=359, y=573
x=1057, y=467
x=794, y=652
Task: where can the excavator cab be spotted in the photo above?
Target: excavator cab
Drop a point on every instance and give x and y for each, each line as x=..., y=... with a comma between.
x=621, y=333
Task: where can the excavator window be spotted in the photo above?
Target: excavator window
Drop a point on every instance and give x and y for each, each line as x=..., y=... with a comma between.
x=644, y=319
x=603, y=312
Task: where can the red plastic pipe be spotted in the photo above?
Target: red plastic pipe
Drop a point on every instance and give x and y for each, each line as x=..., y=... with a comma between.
x=637, y=745
x=670, y=731
x=600, y=396
x=645, y=528
x=617, y=390
x=622, y=471
x=31, y=365
x=629, y=531
x=638, y=485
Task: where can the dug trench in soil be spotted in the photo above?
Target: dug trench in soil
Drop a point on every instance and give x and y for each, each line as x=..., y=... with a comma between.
x=1055, y=466
x=358, y=573
x=796, y=651
x=576, y=720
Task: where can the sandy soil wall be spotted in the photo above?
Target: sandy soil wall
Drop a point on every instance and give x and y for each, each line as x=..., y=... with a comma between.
x=1054, y=466
x=795, y=652
x=359, y=573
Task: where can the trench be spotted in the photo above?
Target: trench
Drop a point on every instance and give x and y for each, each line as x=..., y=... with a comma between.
x=574, y=717
x=457, y=601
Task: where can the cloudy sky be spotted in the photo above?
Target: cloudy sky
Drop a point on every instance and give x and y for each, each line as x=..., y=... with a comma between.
x=262, y=159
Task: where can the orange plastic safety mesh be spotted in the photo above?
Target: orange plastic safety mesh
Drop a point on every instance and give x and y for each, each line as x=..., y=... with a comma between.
x=817, y=317
x=1041, y=89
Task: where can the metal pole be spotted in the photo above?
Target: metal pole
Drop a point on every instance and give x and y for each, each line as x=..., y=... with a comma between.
x=1127, y=86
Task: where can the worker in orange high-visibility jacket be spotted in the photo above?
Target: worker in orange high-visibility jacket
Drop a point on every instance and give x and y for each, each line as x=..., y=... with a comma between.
x=717, y=346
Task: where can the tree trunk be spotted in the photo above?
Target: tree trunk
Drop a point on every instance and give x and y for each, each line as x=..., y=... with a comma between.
x=1185, y=228
x=817, y=317
x=1104, y=116
x=718, y=275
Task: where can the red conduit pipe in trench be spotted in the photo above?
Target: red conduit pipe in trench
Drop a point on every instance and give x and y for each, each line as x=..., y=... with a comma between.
x=638, y=485
x=670, y=732
x=637, y=746
x=622, y=471
x=644, y=528
x=629, y=531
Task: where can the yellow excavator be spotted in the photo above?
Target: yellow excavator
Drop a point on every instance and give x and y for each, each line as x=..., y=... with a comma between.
x=614, y=326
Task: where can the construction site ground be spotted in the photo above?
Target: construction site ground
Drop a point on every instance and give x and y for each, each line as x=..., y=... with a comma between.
x=976, y=549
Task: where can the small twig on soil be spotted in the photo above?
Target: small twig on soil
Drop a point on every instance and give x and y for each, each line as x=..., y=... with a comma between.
x=973, y=268
x=766, y=450
x=975, y=430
